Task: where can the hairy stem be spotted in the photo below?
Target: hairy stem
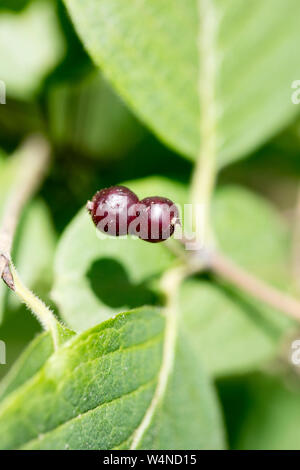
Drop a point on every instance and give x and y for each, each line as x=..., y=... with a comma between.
x=40, y=310
x=203, y=180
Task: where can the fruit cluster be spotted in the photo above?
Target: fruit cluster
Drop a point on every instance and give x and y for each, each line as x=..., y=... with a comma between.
x=117, y=211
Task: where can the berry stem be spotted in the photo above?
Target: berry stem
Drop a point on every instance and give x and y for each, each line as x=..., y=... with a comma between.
x=203, y=180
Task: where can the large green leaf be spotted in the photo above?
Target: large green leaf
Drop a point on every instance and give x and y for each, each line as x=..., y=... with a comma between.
x=94, y=278
x=31, y=44
x=262, y=412
x=96, y=391
x=248, y=61
x=194, y=402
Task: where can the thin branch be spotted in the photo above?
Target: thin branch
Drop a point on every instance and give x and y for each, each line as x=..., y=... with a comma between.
x=213, y=260
x=33, y=160
x=229, y=271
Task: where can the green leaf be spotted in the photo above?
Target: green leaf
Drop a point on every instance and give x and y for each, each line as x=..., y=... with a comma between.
x=148, y=51
x=233, y=332
x=106, y=130
x=266, y=412
x=96, y=390
x=189, y=394
x=15, y=5
x=31, y=44
x=252, y=232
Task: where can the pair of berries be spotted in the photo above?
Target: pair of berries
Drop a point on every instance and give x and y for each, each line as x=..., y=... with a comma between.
x=118, y=211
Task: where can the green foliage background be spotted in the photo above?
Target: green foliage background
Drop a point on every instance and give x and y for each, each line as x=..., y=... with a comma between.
x=114, y=86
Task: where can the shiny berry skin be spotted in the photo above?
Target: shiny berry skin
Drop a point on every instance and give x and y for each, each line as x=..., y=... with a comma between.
x=158, y=217
x=109, y=209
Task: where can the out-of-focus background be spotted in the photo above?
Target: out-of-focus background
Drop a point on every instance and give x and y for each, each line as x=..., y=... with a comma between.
x=53, y=87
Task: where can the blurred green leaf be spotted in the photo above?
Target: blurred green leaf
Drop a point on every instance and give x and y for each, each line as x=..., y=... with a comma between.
x=35, y=246
x=148, y=50
x=27, y=349
x=18, y=328
x=262, y=412
x=76, y=62
x=17, y=120
x=231, y=331
x=89, y=118
x=94, y=392
x=31, y=44
x=159, y=186
x=251, y=231
x=15, y=5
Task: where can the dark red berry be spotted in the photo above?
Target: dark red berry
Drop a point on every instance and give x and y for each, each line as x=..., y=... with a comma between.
x=109, y=209
x=157, y=218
